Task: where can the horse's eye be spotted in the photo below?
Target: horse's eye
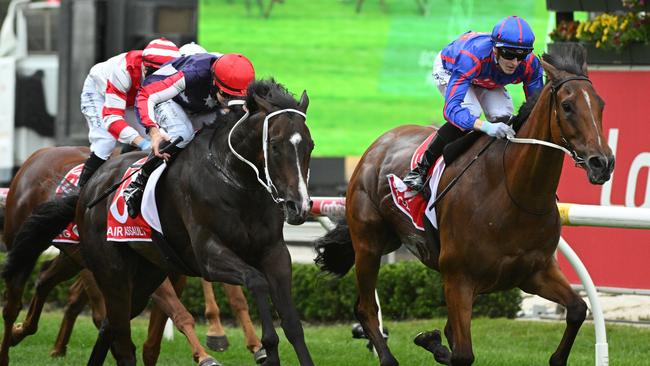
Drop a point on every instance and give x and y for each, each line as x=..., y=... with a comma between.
x=566, y=106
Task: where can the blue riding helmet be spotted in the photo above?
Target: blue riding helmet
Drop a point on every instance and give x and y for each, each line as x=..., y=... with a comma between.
x=513, y=32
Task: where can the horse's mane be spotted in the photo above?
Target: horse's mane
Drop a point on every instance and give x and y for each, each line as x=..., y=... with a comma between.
x=271, y=91
x=570, y=59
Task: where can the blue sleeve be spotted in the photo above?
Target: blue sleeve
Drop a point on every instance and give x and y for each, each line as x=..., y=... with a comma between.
x=465, y=69
x=533, y=77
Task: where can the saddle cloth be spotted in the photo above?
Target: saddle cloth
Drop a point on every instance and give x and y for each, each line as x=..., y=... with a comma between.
x=69, y=235
x=412, y=203
x=120, y=227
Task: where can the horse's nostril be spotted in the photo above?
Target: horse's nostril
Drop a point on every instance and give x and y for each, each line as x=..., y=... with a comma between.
x=292, y=206
x=597, y=162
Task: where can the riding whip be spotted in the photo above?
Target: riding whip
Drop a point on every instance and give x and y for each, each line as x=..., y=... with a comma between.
x=115, y=186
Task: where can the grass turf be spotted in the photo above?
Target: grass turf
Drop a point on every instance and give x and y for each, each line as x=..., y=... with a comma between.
x=365, y=73
x=497, y=342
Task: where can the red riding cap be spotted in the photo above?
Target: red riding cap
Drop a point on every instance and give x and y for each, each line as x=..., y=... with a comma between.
x=232, y=73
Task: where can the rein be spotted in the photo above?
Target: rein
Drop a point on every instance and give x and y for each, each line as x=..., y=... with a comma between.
x=571, y=151
x=268, y=185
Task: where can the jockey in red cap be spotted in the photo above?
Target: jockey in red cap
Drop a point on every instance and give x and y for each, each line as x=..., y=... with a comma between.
x=108, y=92
x=471, y=73
x=185, y=93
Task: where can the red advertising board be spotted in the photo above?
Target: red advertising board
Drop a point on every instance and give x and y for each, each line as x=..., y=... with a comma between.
x=617, y=258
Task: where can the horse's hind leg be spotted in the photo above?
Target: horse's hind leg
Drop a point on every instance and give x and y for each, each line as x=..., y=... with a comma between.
x=552, y=285
x=77, y=300
x=60, y=269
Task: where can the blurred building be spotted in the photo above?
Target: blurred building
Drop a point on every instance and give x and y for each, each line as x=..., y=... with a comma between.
x=46, y=50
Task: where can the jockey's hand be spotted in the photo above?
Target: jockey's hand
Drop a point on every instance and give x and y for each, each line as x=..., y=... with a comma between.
x=499, y=129
x=158, y=136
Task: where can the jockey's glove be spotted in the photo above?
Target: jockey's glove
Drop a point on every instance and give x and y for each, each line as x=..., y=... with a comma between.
x=144, y=144
x=498, y=129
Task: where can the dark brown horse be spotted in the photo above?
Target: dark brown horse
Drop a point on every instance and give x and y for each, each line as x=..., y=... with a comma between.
x=499, y=225
x=35, y=184
x=220, y=220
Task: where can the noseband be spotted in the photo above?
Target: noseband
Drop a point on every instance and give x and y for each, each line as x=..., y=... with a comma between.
x=569, y=149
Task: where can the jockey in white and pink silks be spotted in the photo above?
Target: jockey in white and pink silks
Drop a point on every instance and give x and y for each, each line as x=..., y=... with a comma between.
x=108, y=97
x=472, y=72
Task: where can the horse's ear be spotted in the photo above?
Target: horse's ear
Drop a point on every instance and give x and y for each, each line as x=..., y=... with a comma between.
x=551, y=72
x=304, y=102
x=262, y=103
x=585, y=69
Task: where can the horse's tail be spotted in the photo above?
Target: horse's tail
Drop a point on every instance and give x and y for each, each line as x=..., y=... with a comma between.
x=36, y=234
x=335, y=251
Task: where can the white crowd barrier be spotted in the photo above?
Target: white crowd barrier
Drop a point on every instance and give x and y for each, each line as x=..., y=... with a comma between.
x=326, y=208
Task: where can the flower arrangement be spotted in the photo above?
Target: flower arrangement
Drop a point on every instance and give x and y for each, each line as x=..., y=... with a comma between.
x=565, y=32
x=610, y=31
x=607, y=31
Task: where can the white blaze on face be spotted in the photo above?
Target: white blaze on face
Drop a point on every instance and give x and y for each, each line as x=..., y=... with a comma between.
x=302, y=185
x=593, y=119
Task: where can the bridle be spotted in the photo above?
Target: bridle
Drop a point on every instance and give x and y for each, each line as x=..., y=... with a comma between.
x=267, y=183
x=568, y=148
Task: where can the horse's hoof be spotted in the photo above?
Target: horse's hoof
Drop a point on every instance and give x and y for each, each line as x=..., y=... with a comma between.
x=217, y=343
x=260, y=356
x=432, y=342
x=58, y=352
x=209, y=361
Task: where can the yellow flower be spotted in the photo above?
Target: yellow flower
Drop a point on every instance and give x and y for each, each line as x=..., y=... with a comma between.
x=624, y=25
x=598, y=44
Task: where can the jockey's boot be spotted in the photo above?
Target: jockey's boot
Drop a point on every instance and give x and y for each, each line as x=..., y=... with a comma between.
x=90, y=166
x=134, y=191
x=416, y=178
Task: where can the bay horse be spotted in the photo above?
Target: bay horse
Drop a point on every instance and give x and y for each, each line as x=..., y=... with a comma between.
x=35, y=184
x=498, y=226
x=220, y=220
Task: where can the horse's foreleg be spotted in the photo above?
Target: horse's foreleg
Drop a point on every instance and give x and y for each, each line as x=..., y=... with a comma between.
x=239, y=307
x=60, y=269
x=277, y=268
x=552, y=285
x=215, y=336
x=77, y=300
x=459, y=295
x=166, y=298
x=157, y=320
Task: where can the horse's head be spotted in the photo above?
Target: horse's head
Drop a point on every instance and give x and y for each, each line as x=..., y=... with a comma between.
x=287, y=147
x=576, y=113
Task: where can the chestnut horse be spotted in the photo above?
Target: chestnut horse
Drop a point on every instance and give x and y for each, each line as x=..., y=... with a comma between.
x=498, y=226
x=47, y=166
x=220, y=220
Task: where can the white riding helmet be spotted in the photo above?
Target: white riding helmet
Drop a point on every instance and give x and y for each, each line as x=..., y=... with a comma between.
x=191, y=49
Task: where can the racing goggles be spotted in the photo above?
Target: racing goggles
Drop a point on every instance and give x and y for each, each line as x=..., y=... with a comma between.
x=513, y=53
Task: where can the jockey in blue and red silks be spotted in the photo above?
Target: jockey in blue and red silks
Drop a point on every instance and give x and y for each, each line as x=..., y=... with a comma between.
x=179, y=98
x=471, y=73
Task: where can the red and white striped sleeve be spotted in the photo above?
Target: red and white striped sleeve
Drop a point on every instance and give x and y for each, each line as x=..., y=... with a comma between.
x=118, y=86
x=157, y=92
